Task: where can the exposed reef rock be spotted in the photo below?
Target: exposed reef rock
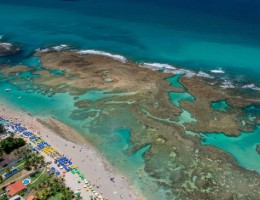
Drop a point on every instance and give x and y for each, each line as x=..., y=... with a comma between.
x=7, y=49
x=175, y=159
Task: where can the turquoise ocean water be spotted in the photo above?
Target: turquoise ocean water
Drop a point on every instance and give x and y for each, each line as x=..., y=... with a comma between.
x=199, y=35
x=202, y=34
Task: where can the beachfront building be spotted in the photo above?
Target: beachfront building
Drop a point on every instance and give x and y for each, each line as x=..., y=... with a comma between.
x=15, y=188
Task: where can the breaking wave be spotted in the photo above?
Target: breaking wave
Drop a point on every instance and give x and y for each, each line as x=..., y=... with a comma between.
x=61, y=47
x=251, y=86
x=103, y=53
x=166, y=68
x=227, y=84
x=217, y=71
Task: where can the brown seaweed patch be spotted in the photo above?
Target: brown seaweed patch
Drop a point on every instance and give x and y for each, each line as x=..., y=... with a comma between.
x=12, y=71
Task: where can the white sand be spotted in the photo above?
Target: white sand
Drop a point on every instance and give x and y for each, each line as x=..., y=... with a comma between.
x=88, y=160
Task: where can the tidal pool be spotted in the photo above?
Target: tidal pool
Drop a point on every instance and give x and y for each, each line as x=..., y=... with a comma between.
x=220, y=106
x=242, y=148
x=174, y=80
x=176, y=97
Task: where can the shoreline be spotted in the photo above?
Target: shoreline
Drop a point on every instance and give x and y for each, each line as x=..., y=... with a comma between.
x=93, y=69
x=97, y=169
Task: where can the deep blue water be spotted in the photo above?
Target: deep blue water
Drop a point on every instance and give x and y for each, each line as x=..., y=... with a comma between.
x=196, y=34
x=200, y=35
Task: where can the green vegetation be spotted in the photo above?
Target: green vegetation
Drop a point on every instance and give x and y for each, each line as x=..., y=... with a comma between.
x=3, y=197
x=2, y=129
x=39, y=178
x=9, y=144
x=53, y=188
x=34, y=161
x=57, y=197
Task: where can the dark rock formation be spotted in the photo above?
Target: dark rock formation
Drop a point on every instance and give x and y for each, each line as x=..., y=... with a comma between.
x=258, y=148
x=7, y=49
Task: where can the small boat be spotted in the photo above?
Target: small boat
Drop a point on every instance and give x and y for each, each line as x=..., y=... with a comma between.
x=7, y=90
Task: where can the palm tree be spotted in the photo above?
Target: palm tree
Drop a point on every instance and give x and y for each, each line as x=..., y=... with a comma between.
x=28, y=162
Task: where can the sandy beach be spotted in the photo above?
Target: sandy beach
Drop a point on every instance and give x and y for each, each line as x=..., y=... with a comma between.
x=86, y=157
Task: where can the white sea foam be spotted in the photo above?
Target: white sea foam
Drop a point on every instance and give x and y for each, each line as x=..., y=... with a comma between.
x=158, y=66
x=166, y=68
x=103, y=53
x=187, y=73
x=6, y=45
x=251, y=86
x=61, y=47
x=204, y=75
x=218, y=71
x=227, y=84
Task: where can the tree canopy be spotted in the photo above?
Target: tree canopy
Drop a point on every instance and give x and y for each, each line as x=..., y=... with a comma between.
x=9, y=144
x=52, y=187
x=2, y=128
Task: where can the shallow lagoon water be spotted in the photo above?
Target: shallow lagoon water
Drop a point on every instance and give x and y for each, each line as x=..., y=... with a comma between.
x=94, y=95
x=174, y=80
x=32, y=61
x=110, y=134
x=186, y=117
x=176, y=97
x=27, y=75
x=220, y=106
x=201, y=35
x=242, y=148
x=57, y=72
